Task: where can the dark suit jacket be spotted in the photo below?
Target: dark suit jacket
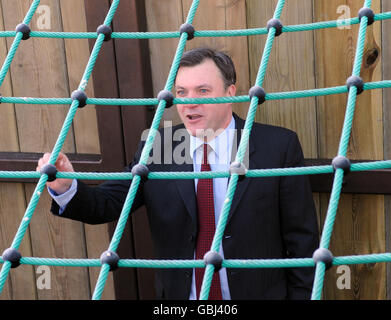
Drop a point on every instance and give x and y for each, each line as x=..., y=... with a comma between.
x=270, y=218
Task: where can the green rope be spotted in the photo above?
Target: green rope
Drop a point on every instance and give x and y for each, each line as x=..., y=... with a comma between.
x=236, y=99
x=338, y=177
x=227, y=263
x=252, y=173
x=199, y=33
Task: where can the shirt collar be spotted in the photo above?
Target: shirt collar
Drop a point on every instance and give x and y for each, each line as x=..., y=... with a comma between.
x=215, y=144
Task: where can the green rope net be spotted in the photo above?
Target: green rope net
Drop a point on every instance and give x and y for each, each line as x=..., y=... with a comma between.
x=320, y=266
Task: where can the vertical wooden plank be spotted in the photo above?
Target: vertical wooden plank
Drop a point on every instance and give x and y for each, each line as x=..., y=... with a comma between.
x=366, y=143
x=36, y=61
x=386, y=65
x=97, y=241
x=77, y=55
x=134, y=80
x=105, y=71
x=224, y=15
x=58, y=238
x=20, y=283
x=163, y=16
x=236, y=18
x=8, y=127
x=359, y=225
x=85, y=124
x=290, y=68
x=358, y=229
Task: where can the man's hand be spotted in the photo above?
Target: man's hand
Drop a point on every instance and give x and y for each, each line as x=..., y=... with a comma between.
x=62, y=164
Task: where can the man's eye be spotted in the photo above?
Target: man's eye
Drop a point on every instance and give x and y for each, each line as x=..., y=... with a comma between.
x=180, y=93
x=204, y=90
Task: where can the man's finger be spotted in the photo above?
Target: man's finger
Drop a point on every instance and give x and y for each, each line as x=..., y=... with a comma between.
x=46, y=156
x=41, y=162
x=61, y=159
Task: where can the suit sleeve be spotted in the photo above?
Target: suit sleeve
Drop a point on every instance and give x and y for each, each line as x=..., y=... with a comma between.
x=298, y=222
x=103, y=203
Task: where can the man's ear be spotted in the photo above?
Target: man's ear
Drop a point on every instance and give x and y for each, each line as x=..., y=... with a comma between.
x=231, y=90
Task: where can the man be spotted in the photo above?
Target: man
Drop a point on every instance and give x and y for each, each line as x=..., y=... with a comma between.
x=270, y=218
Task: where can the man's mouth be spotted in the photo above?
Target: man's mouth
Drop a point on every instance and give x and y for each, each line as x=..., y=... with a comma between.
x=193, y=116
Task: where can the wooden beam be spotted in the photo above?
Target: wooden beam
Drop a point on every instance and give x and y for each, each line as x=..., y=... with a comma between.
x=134, y=81
x=111, y=132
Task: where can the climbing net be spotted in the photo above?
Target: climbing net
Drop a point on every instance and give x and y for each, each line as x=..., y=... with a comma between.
x=322, y=258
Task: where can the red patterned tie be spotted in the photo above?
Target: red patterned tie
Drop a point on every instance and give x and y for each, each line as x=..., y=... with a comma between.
x=206, y=228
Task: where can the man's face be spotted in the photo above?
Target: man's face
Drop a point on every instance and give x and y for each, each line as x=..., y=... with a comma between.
x=203, y=81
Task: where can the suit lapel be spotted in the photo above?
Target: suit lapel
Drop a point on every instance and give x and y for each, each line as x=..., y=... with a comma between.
x=242, y=183
x=185, y=187
x=187, y=191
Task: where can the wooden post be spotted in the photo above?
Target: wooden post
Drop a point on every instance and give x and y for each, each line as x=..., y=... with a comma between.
x=85, y=124
x=359, y=225
x=135, y=80
x=385, y=51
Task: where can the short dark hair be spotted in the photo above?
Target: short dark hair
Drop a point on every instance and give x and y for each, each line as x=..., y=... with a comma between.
x=224, y=62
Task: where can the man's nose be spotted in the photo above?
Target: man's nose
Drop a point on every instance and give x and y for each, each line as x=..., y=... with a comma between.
x=189, y=105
